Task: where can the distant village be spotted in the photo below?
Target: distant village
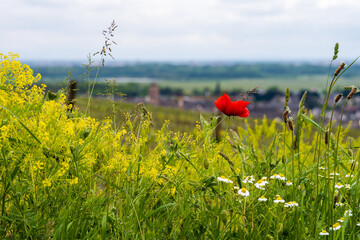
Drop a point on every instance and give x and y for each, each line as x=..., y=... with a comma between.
x=271, y=108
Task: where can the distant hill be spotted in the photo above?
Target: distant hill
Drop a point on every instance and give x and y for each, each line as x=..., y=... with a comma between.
x=169, y=71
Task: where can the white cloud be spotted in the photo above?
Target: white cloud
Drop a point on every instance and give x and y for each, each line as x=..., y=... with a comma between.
x=178, y=29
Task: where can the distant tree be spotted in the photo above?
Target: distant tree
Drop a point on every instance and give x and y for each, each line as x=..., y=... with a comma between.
x=268, y=95
x=217, y=90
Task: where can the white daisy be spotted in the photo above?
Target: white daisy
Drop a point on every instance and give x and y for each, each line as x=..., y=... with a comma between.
x=280, y=177
x=248, y=179
x=339, y=204
x=324, y=233
x=347, y=186
x=262, y=199
x=243, y=192
x=279, y=200
x=341, y=219
x=348, y=212
x=224, y=179
x=339, y=185
x=335, y=227
x=260, y=184
x=288, y=183
x=274, y=176
x=291, y=204
x=334, y=173
x=349, y=175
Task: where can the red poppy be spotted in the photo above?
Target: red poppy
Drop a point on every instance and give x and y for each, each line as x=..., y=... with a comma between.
x=237, y=108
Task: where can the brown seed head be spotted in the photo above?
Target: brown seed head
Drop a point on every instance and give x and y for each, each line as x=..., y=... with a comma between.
x=327, y=137
x=338, y=70
x=352, y=93
x=338, y=97
x=285, y=115
x=291, y=125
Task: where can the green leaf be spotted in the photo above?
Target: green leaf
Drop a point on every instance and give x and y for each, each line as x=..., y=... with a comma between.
x=161, y=207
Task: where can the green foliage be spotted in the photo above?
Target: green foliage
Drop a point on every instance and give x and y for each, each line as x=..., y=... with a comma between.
x=65, y=175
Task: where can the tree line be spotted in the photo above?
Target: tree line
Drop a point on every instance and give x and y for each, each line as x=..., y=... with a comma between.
x=169, y=71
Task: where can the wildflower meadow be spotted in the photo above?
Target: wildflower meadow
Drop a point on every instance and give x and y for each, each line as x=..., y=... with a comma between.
x=66, y=175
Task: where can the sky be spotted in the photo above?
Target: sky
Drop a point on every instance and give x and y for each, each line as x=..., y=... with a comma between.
x=182, y=30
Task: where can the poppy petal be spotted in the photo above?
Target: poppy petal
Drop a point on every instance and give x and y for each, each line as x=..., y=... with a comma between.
x=237, y=108
x=222, y=102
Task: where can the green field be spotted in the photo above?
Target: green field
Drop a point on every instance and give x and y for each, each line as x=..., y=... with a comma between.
x=294, y=83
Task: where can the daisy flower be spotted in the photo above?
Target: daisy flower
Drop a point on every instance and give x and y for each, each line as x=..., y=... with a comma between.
x=347, y=186
x=349, y=175
x=243, y=192
x=338, y=185
x=335, y=227
x=262, y=199
x=334, y=173
x=348, y=212
x=288, y=183
x=281, y=177
x=224, y=179
x=341, y=219
x=324, y=233
x=260, y=184
x=274, y=176
x=279, y=200
x=339, y=204
x=291, y=204
x=321, y=168
x=248, y=179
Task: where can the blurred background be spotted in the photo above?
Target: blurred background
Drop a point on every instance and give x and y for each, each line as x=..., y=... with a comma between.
x=181, y=55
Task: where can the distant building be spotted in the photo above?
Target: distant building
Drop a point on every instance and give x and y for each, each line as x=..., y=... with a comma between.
x=153, y=96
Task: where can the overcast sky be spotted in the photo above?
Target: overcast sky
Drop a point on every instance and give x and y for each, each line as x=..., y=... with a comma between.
x=245, y=30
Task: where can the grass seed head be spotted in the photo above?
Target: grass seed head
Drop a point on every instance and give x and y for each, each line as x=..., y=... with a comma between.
x=285, y=115
x=287, y=97
x=338, y=97
x=352, y=93
x=338, y=70
x=291, y=124
x=327, y=136
x=206, y=163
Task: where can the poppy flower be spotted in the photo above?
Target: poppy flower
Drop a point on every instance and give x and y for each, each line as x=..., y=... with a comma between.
x=236, y=108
